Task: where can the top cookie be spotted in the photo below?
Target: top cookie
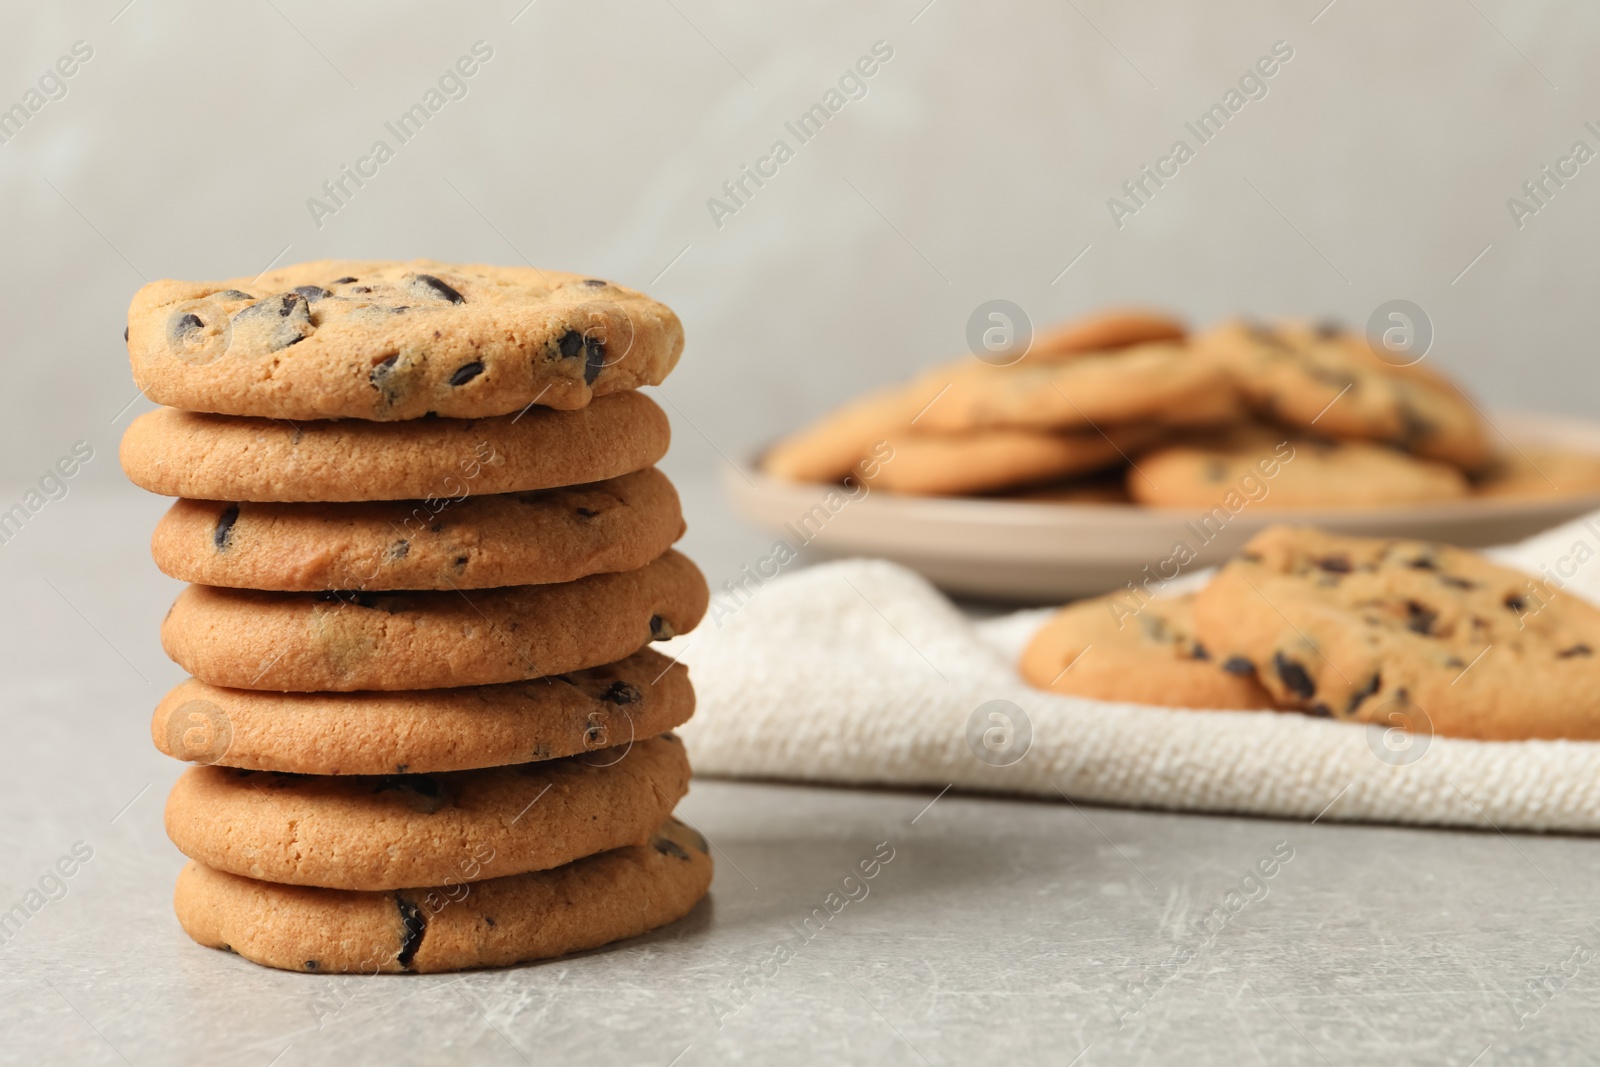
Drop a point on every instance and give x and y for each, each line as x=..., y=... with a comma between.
x=1105, y=330
x=1423, y=636
x=1323, y=379
x=381, y=339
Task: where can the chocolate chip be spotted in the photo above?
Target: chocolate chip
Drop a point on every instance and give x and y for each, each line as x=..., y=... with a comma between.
x=311, y=965
x=222, y=536
x=1423, y=563
x=622, y=693
x=1293, y=676
x=1363, y=693
x=440, y=288
x=415, y=925
x=380, y=374
x=312, y=293
x=1420, y=618
x=587, y=513
x=1320, y=710
x=461, y=561
x=594, y=360
x=361, y=288
x=466, y=372
x=181, y=327
x=399, y=549
x=343, y=281
x=1515, y=603
x=1199, y=651
x=1335, y=564
x=1575, y=650
x=1456, y=583
x=660, y=629
x=595, y=282
x=124, y=333
x=570, y=344
x=1238, y=665
x=668, y=847
x=274, y=323
x=1328, y=329
x=490, y=921
x=232, y=294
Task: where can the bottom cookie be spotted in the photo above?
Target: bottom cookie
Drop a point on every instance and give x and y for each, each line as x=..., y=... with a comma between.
x=493, y=923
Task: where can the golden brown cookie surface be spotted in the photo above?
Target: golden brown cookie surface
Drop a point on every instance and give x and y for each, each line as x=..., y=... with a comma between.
x=532, y=538
x=396, y=831
x=493, y=923
x=339, y=642
x=376, y=339
x=1280, y=469
x=423, y=731
x=223, y=457
x=1111, y=648
x=1385, y=630
x=1333, y=384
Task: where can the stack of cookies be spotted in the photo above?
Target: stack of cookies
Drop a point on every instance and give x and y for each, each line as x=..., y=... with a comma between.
x=1123, y=407
x=1401, y=634
x=428, y=549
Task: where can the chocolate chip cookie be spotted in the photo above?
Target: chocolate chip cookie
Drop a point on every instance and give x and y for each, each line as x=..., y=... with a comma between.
x=1397, y=632
x=952, y=464
x=341, y=641
x=425, y=731
x=1534, y=471
x=1160, y=384
x=1267, y=469
x=396, y=831
x=1104, y=331
x=493, y=923
x=232, y=458
x=543, y=536
x=1115, y=648
x=1324, y=380
x=388, y=340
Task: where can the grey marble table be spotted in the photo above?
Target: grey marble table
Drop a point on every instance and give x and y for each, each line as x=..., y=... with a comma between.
x=997, y=931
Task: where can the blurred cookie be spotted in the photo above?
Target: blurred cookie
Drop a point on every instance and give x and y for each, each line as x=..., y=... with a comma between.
x=621, y=893
x=1423, y=636
x=952, y=464
x=832, y=448
x=1320, y=379
x=532, y=538
x=1158, y=384
x=425, y=731
x=224, y=457
x=1532, y=471
x=1276, y=469
x=1104, y=331
x=313, y=642
x=395, y=831
x=383, y=339
x=1109, y=648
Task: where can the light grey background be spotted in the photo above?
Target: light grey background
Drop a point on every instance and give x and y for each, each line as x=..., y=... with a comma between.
x=977, y=166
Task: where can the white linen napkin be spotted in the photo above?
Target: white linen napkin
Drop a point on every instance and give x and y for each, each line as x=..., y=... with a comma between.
x=860, y=672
